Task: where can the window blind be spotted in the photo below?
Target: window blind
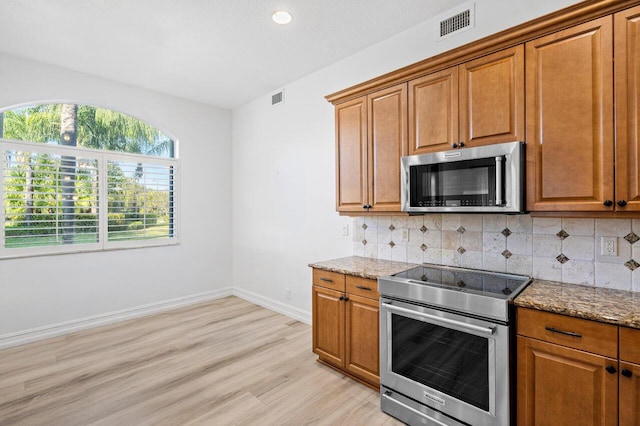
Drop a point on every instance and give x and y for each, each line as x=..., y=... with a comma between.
x=49, y=199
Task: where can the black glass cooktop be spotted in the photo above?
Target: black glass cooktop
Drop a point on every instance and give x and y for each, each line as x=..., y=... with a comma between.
x=490, y=284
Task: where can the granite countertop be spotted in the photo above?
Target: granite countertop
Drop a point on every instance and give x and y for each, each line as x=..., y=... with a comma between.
x=363, y=267
x=607, y=305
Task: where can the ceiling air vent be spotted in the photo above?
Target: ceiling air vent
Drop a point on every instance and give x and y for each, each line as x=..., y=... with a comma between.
x=456, y=21
x=277, y=98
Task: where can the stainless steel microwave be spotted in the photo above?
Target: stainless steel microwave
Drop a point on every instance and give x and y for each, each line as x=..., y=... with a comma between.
x=484, y=179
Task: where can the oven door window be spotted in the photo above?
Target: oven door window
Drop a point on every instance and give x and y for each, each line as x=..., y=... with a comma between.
x=455, y=184
x=449, y=361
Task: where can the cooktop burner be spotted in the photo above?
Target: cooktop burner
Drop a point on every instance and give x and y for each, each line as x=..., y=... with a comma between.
x=481, y=293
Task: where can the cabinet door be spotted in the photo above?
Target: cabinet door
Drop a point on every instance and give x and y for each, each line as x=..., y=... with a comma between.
x=629, y=394
x=562, y=386
x=387, y=136
x=627, y=89
x=492, y=98
x=328, y=325
x=362, y=338
x=433, y=112
x=569, y=113
x=351, y=155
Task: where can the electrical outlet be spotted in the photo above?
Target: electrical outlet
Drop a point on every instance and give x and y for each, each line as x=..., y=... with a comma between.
x=609, y=246
x=405, y=235
x=345, y=230
x=287, y=293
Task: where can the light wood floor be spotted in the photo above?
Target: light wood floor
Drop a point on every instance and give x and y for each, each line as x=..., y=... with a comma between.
x=225, y=362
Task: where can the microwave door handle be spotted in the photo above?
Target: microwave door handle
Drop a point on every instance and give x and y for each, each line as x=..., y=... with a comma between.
x=499, y=180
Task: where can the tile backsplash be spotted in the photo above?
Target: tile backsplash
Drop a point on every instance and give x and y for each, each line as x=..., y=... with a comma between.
x=558, y=249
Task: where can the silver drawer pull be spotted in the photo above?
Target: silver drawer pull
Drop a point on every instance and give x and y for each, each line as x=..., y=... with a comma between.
x=363, y=288
x=566, y=333
x=326, y=280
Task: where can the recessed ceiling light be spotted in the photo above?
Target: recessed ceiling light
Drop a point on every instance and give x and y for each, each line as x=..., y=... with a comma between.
x=281, y=17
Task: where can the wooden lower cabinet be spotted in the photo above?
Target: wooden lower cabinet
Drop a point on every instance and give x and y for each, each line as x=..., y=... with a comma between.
x=346, y=328
x=362, y=326
x=328, y=310
x=576, y=372
x=563, y=386
x=629, y=394
x=629, y=377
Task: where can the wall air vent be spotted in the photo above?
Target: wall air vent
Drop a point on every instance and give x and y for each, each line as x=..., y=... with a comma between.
x=456, y=21
x=277, y=98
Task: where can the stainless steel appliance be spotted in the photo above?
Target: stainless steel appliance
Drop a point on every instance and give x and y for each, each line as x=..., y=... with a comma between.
x=446, y=345
x=487, y=178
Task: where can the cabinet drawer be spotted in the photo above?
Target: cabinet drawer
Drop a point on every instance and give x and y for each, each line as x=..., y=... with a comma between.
x=630, y=345
x=327, y=279
x=585, y=335
x=362, y=287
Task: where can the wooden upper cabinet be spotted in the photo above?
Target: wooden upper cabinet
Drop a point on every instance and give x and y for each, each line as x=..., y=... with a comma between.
x=371, y=136
x=351, y=138
x=569, y=113
x=480, y=102
x=433, y=112
x=492, y=98
x=387, y=142
x=627, y=90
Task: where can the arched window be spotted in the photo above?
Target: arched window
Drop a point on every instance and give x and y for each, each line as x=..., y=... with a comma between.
x=82, y=178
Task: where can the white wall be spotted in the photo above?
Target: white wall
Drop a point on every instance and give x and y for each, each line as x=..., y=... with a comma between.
x=42, y=291
x=284, y=161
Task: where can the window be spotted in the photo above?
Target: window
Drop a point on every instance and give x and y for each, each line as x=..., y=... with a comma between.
x=80, y=178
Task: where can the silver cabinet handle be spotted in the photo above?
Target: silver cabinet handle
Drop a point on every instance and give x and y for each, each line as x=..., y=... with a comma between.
x=476, y=328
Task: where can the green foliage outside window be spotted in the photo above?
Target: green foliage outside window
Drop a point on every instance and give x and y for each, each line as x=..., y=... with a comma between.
x=41, y=209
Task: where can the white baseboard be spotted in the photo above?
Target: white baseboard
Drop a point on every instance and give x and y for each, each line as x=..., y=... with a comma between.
x=46, y=332
x=274, y=305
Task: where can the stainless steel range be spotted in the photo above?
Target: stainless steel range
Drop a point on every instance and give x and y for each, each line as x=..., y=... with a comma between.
x=446, y=345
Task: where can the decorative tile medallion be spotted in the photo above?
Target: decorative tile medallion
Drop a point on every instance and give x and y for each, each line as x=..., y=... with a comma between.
x=461, y=230
x=364, y=226
x=506, y=232
x=632, y=238
x=507, y=254
x=461, y=250
x=423, y=247
x=364, y=242
x=562, y=235
x=632, y=265
x=392, y=228
x=392, y=244
x=423, y=229
x=562, y=258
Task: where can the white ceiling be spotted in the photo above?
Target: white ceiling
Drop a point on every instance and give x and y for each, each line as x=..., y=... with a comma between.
x=221, y=52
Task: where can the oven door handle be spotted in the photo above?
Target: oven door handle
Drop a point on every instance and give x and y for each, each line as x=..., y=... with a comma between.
x=460, y=324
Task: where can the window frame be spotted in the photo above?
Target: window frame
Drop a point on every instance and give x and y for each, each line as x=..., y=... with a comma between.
x=102, y=157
